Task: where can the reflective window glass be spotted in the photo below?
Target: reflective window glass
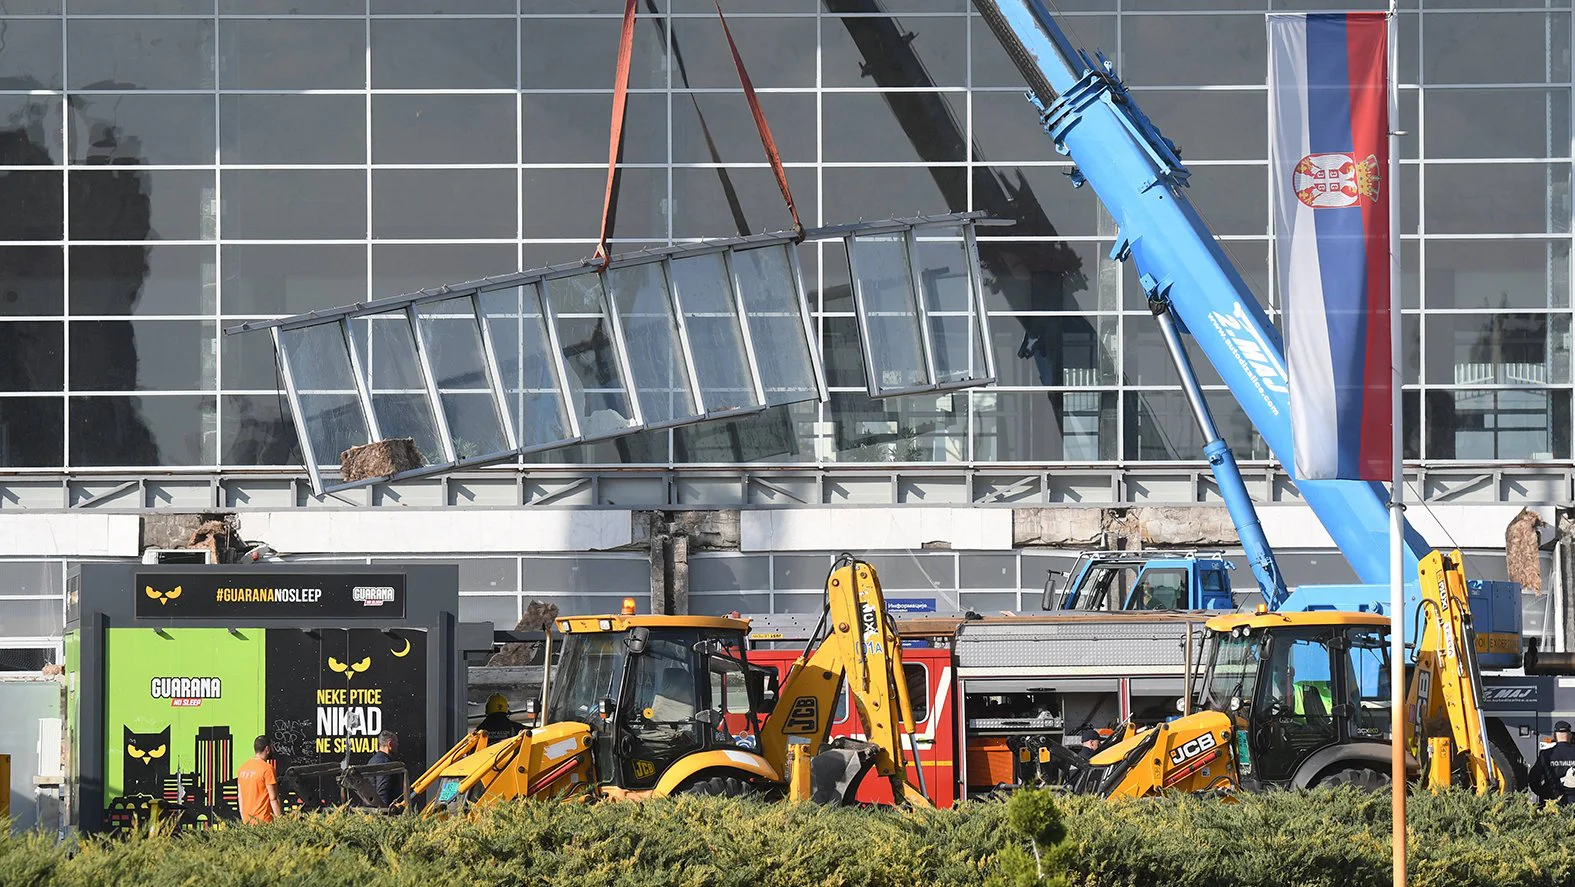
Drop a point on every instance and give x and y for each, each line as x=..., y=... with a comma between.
x=642, y=202
x=884, y=193
x=773, y=47
x=178, y=430
x=292, y=54
x=306, y=204
x=1039, y=201
x=767, y=287
x=908, y=429
x=32, y=617
x=1074, y=426
x=597, y=390
x=443, y=7
x=30, y=131
x=255, y=429
x=142, y=129
x=657, y=365
x=459, y=366
x=142, y=355
x=330, y=409
x=32, y=430
x=39, y=194
x=866, y=51
x=1498, y=122
x=1496, y=47
x=945, y=271
x=1051, y=276
x=32, y=280
x=720, y=202
x=1160, y=427
x=1222, y=49
x=716, y=338
x=896, y=127
x=1505, y=424
x=285, y=279
x=444, y=129
x=569, y=127
x=443, y=204
x=1498, y=274
x=259, y=128
x=1206, y=124
x=1498, y=349
x=399, y=268
x=1505, y=198
x=553, y=56
x=442, y=54
x=140, y=53
x=151, y=7
x=142, y=280
x=392, y=371
x=32, y=355
x=142, y=204
x=883, y=281
x=526, y=362
x=249, y=364
x=775, y=434
x=717, y=127
x=31, y=57
x=1062, y=350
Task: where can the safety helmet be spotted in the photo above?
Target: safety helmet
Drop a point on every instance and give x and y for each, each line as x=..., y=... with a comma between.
x=497, y=705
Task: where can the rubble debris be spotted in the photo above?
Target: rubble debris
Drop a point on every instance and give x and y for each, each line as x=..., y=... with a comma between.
x=380, y=459
x=538, y=617
x=1521, y=544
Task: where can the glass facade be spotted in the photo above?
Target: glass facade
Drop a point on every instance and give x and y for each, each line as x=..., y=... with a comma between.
x=175, y=167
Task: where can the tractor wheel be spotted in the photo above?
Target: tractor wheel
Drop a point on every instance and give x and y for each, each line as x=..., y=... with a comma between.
x=721, y=787
x=1364, y=778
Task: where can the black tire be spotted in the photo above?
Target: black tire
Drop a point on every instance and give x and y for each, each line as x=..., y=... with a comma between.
x=721, y=787
x=1364, y=778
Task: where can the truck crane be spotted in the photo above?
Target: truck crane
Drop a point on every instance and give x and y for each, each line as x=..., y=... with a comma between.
x=1192, y=287
x=649, y=706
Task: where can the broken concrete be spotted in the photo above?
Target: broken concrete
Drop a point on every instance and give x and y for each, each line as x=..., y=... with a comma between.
x=1122, y=528
x=379, y=459
x=1522, y=542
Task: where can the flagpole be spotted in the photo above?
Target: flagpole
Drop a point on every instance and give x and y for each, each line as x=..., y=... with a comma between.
x=1397, y=692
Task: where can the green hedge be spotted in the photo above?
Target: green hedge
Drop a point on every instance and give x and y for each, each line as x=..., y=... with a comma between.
x=1277, y=839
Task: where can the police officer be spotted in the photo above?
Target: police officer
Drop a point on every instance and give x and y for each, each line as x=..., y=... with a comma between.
x=497, y=724
x=1553, y=775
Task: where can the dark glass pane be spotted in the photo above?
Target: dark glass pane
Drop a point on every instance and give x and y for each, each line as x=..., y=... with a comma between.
x=1498, y=274
x=553, y=53
x=1039, y=199
x=992, y=67
x=1146, y=360
x=443, y=7
x=30, y=134
x=292, y=7
x=1076, y=426
x=141, y=129
x=140, y=7
x=292, y=54
x=443, y=204
x=1488, y=425
x=1221, y=49
x=842, y=353
x=443, y=128
x=1498, y=349
x=1496, y=47
x=922, y=428
x=142, y=355
x=1213, y=125
x=442, y=54
x=1056, y=349
x=722, y=202
x=29, y=54
x=1051, y=276
x=295, y=204
x=387, y=351
x=140, y=53
x=1250, y=257
x=34, y=207
x=131, y=204
x=1006, y=129
x=1160, y=427
x=32, y=280
x=561, y=203
x=888, y=53
x=284, y=280
x=257, y=431
x=292, y=128
x=712, y=127
x=1498, y=122
x=31, y=618
x=894, y=127
x=142, y=280
x=1232, y=199
x=1504, y=198
x=249, y=362
x=406, y=268
x=773, y=47
x=776, y=434
x=31, y=355
x=32, y=431
x=129, y=431
x=876, y=193
x=569, y=128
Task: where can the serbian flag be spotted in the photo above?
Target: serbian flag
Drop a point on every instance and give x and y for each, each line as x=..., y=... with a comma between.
x=1329, y=90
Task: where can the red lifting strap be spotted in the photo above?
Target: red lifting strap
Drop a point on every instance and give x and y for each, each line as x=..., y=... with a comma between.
x=620, y=103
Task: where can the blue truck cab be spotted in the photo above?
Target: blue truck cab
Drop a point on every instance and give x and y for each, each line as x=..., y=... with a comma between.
x=1136, y=580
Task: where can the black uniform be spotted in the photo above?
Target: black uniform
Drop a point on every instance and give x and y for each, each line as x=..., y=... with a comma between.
x=1553, y=775
x=498, y=727
x=387, y=785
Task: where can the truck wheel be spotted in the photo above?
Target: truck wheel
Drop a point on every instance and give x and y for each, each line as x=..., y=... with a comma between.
x=721, y=787
x=1364, y=778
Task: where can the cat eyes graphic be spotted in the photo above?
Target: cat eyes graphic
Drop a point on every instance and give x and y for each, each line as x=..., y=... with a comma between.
x=349, y=670
x=163, y=597
x=146, y=757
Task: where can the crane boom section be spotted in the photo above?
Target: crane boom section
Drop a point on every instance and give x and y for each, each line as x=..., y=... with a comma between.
x=1138, y=175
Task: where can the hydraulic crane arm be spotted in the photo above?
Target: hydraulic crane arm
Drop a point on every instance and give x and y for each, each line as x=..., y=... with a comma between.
x=1139, y=177
x=855, y=642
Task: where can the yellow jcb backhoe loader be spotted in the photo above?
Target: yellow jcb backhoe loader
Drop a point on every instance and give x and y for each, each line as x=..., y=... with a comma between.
x=647, y=706
x=1302, y=699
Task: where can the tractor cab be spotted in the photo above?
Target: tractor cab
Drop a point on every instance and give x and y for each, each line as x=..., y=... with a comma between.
x=1303, y=690
x=1135, y=580
x=656, y=689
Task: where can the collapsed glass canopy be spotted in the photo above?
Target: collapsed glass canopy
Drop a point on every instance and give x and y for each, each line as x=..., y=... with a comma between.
x=483, y=371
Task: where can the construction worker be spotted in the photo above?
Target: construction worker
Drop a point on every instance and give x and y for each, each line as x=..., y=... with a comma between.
x=258, y=785
x=497, y=724
x=1090, y=742
x=388, y=787
x=1553, y=775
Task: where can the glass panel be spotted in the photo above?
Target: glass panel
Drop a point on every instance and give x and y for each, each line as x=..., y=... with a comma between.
x=31, y=618
x=32, y=355
x=442, y=54
x=291, y=279
x=768, y=288
x=525, y=361
x=387, y=352
x=453, y=345
x=1498, y=349
x=893, y=53
x=257, y=431
x=142, y=204
x=33, y=280
x=268, y=128
x=446, y=204
x=32, y=431
x=1222, y=49
x=1487, y=425
x=1505, y=198
x=657, y=365
x=883, y=291
x=142, y=280
x=1496, y=47
x=171, y=431
x=31, y=59
x=701, y=285
x=444, y=129
x=40, y=193
x=307, y=204
x=1476, y=123
x=142, y=355
x=1069, y=350
x=946, y=289
x=1159, y=426
x=917, y=428
x=1074, y=426
x=142, y=129
x=140, y=54
x=291, y=54
x=330, y=409
x=775, y=434
x=1498, y=274
x=31, y=132
x=597, y=391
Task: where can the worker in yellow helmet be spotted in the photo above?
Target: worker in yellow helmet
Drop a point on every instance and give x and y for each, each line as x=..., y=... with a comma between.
x=497, y=724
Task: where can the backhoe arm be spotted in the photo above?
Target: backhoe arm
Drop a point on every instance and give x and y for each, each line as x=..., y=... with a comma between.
x=857, y=642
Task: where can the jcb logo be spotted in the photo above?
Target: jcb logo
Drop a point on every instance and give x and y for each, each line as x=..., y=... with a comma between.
x=803, y=717
x=1192, y=748
x=644, y=769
